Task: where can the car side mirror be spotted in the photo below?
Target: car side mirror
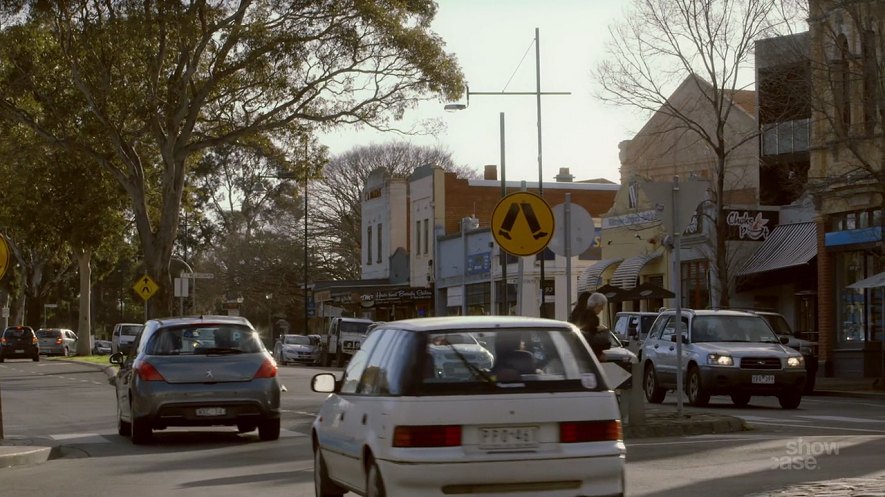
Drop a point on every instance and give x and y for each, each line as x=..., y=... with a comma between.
x=674, y=338
x=116, y=359
x=785, y=340
x=323, y=383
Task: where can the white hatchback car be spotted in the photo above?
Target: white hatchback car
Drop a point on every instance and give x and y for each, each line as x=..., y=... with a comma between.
x=537, y=419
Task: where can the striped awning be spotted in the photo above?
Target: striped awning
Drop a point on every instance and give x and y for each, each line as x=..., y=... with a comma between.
x=627, y=274
x=787, y=245
x=589, y=280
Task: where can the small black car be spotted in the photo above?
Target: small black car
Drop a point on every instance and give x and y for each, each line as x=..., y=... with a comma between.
x=19, y=341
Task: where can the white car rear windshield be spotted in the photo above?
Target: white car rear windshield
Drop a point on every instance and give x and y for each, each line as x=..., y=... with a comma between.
x=507, y=360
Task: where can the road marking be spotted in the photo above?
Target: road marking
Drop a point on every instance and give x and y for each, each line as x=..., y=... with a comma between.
x=845, y=419
x=99, y=438
x=764, y=419
x=819, y=427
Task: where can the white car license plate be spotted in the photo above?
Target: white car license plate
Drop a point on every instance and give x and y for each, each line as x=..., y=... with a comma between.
x=763, y=379
x=19, y=351
x=508, y=437
x=211, y=411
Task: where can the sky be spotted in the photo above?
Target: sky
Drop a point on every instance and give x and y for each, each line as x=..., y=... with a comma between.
x=493, y=41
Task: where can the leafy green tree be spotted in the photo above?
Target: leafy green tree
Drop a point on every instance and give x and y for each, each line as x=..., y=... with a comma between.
x=61, y=212
x=167, y=81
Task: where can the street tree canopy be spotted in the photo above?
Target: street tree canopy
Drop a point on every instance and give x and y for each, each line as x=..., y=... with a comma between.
x=165, y=82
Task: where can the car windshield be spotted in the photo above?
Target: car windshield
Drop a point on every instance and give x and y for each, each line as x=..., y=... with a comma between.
x=778, y=324
x=48, y=333
x=130, y=331
x=203, y=339
x=506, y=361
x=297, y=340
x=354, y=327
x=15, y=333
x=751, y=329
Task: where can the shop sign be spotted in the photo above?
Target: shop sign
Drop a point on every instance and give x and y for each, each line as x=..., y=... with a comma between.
x=750, y=225
x=394, y=296
x=479, y=263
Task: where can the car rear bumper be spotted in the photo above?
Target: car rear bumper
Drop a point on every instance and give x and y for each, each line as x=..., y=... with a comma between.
x=177, y=404
x=19, y=352
x=733, y=380
x=570, y=476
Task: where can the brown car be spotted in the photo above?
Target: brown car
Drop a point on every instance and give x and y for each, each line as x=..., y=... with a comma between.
x=21, y=342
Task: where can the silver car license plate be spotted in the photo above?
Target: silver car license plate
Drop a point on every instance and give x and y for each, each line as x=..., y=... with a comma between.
x=19, y=351
x=763, y=379
x=211, y=411
x=508, y=437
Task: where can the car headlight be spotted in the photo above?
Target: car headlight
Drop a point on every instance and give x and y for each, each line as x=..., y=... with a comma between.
x=795, y=362
x=720, y=360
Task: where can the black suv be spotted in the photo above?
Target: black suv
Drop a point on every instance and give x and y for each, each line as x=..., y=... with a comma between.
x=19, y=341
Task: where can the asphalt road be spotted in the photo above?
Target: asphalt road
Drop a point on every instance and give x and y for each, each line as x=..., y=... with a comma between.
x=73, y=405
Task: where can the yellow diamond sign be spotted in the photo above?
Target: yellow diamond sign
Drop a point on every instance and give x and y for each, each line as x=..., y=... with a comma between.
x=145, y=287
x=4, y=256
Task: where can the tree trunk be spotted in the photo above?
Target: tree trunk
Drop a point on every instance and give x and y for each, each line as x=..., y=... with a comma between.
x=84, y=322
x=721, y=236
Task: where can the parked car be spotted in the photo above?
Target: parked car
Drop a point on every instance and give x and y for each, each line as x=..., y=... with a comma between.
x=633, y=325
x=101, y=347
x=19, y=341
x=808, y=349
x=197, y=371
x=123, y=336
x=724, y=352
x=57, y=341
x=397, y=424
x=297, y=348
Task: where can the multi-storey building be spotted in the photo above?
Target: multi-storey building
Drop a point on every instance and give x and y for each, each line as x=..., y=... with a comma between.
x=636, y=249
x=846, y=178
x=427, y=249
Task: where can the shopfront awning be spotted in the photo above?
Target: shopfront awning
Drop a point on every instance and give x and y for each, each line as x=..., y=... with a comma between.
x=788, y=245
x=627, y=273
x=589, y=279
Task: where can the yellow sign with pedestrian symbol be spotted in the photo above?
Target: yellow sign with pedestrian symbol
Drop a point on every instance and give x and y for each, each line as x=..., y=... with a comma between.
x=522, y=223
x=4, y=256
x=145, y=287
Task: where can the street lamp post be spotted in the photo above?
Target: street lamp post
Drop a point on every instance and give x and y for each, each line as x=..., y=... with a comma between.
x=537, y=93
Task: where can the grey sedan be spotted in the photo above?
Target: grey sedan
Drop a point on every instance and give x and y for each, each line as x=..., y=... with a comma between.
x=197, y=371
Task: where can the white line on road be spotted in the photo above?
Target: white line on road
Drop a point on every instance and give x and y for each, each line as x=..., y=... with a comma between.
x=845, y=419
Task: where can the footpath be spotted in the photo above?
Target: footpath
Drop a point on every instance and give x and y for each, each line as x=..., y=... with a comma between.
x=659, y=421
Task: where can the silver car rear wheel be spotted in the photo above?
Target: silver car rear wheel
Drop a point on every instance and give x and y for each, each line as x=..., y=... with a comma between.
x=323, y=487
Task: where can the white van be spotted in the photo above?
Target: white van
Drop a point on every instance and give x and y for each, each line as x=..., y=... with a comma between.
x=123, y=336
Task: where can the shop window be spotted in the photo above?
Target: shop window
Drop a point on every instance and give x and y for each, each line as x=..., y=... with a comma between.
x=369, y=246
x=870, y=81
x=695, y=287
x=426, y=235
x=842, y=84
x=380, y=239
x=850, y=301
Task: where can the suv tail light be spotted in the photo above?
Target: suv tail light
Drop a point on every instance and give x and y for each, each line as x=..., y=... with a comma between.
x=59, y=341
x=427, y=436
x=146, y=371
x=590, y=431
x=268, y=369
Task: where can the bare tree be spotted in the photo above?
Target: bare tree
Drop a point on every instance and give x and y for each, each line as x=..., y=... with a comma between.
x=847, y=57
x=709, y=43
x=335, y=200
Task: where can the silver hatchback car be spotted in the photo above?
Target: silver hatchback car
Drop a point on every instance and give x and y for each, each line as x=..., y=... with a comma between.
x=197, y=371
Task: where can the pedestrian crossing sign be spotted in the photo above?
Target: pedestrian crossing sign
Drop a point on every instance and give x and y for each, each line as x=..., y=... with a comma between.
x=522, y=223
